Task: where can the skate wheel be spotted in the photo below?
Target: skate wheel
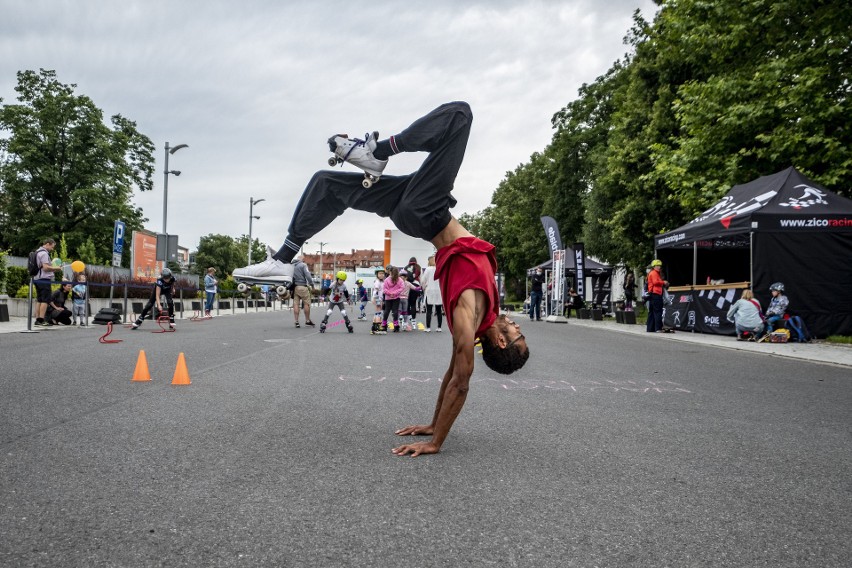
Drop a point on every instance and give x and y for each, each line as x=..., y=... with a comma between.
x=280, y=290
x=332, y=162
x=241, y=287
x=367, y=183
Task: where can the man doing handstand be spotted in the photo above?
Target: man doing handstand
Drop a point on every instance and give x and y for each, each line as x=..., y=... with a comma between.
x=419, y=204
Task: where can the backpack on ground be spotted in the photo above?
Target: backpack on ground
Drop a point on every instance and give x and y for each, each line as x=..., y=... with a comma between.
x=33, y=267
x=798, y=330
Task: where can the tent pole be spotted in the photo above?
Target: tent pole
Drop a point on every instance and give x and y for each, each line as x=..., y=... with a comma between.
x=751, y=259
x=694, y=263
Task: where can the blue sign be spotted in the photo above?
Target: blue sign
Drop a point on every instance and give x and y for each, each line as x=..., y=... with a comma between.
x=118, y=238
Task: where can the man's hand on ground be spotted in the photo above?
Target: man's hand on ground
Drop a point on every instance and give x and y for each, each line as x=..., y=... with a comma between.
x=416, y=449
x=421, y=430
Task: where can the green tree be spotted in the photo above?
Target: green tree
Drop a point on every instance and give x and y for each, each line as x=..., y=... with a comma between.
x=63, y=249
x=3, y=270
x=64, y=171
x=773, y=91
x=258, y=251
x=87, y=252
x=224, y=253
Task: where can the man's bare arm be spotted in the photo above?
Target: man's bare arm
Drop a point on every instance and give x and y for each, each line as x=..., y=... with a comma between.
x=429, y=429
x=453, y=394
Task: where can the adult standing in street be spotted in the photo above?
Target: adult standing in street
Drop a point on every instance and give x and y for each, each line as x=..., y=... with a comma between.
x=210, y=284
x=656, y=283
x=303, y=282
x=535, y=294
x=432, y=294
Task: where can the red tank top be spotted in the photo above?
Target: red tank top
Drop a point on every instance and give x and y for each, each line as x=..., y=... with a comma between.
x=468, y=264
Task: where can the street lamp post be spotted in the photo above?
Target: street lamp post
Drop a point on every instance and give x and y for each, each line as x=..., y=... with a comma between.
x=252, y=216
x=320, y=253
x=166, y=173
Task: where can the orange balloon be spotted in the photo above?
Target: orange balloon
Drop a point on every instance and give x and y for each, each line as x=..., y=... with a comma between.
x=78, y=266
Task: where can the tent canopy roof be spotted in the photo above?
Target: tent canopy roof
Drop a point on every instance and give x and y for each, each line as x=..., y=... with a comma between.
x=591, y=265
x=784, y=201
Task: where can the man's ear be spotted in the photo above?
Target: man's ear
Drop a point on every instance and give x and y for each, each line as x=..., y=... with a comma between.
x=497, y=337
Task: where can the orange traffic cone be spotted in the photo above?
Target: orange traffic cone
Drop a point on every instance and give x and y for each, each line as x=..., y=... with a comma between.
x=141, y=373
x=181, y=372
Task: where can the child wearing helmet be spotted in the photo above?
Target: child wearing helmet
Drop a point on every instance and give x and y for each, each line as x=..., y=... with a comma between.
x=393, y=286
x=777, y=306
x=336, y=295
x=378, y=298
x=164, y=291
x=361, y=294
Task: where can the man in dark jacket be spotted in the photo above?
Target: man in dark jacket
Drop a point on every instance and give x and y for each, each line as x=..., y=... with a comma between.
x=535, y=294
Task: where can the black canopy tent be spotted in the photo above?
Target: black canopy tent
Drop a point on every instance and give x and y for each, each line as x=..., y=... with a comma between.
x=777, y=228
x=600, y=274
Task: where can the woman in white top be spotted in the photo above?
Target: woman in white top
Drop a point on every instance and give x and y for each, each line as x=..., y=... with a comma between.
x=432, y=294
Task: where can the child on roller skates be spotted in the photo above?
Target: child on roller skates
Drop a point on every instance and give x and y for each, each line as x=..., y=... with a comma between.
x=393, y=287
x=164, y=291
x=378, y=297
x=336, y=294
x=363, y=298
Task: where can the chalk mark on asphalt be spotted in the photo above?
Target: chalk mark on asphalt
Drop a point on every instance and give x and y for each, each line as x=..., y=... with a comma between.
x=632, y=386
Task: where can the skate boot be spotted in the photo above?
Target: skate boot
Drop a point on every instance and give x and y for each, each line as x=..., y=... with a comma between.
x=359, y=153
x=322, y=328
x=350, y=328
x=270, y=271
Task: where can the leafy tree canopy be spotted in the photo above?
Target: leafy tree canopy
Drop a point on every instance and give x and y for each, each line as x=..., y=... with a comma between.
x=225, y=253
x=712, y=94
x=63, y=171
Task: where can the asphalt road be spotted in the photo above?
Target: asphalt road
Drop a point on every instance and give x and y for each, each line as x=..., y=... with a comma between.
x=607, y=449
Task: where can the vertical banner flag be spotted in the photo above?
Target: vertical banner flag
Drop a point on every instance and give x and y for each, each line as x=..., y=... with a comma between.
x=558, y=290
x=580, y=265
x=551, y=230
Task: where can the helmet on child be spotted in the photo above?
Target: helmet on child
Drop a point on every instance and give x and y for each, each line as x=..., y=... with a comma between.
x=359, y=281
x=380, y=269
x=403, y=272
x=778, y=286
x=341, y=275
x=167, y=273
x=656, y=262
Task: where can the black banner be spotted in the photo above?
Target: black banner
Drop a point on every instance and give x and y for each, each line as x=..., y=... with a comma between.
x=704, y=311
x=580, y=267
x=551, y=230
x=602, y=286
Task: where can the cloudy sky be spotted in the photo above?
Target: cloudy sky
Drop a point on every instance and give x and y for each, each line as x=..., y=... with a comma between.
x=256, y=87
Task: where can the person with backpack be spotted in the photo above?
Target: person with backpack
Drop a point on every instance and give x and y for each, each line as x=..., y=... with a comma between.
x=42, y=272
